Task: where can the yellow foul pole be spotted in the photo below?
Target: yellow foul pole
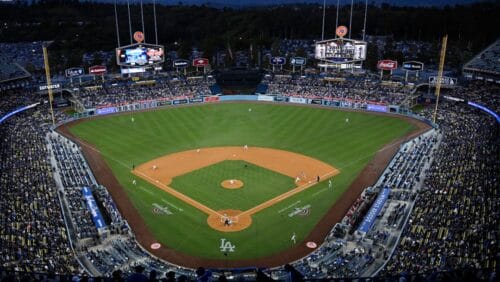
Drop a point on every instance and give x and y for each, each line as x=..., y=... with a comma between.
x=49, y=84
x=440, y=75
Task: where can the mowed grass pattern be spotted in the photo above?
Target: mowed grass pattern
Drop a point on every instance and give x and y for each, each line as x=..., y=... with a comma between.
x=259, y=186
x=316, y=132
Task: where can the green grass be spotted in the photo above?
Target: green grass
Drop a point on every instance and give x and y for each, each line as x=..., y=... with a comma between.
x=316, y=132
x=260, y=185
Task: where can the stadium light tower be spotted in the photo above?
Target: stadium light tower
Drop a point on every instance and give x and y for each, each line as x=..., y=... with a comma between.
x=323, y=26
x=364, y=24
x=337, y=19
x=350, y=19
x=116, y=24
x=154, y=17
x=142, y=21
x=129, y=22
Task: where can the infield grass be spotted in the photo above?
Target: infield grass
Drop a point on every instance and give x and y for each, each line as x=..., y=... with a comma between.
x=259, y=185
x=316, y=132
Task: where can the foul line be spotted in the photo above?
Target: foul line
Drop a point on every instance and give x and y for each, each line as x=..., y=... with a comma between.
x=178, y=194
x=286, y=195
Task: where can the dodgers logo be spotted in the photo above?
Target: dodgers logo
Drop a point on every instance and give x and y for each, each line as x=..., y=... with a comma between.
x=226, y=246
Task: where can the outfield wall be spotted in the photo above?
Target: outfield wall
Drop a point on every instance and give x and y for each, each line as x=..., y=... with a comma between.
x=343, y=103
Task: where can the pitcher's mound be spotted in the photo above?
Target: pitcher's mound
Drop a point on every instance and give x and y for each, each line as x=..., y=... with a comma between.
x=232, y=184
x=229, y=221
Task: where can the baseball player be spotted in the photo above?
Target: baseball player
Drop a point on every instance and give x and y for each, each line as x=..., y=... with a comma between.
x=294, y=238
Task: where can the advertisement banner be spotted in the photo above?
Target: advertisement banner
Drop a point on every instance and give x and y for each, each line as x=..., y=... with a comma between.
x=374, y=211
x=376, y=108
x=413, y=66
x=105, y=111
x=179, y=102
x=196, y=100
x=97, y=70
x=316, y=101
x=297, y=100
x=265, y=98
x=200, y=62
x=181, y=64
x=211, y=99
x=444, y=80
x=132, y=70
x=298, y=61
x=387, y=65
x=52, y=87
x=164, y=103
x=278, y=61
x=74, y=72
x=94, y=210
x=279, y=98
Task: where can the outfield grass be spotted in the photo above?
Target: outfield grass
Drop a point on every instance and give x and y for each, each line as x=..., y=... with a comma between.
x=259, y=186
x=316, y=132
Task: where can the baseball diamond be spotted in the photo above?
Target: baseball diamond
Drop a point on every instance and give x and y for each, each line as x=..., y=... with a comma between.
x=287, y=163
x=163, y=147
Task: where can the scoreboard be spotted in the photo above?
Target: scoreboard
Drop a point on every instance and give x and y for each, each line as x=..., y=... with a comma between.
x=340, y=50
x=140, y=54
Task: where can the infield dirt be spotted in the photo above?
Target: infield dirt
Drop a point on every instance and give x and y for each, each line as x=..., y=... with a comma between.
x=306, y=170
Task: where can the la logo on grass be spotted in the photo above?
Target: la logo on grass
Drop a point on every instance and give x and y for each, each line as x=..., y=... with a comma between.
x=226, y=246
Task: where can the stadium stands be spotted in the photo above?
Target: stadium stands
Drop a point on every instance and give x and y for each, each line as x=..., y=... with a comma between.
x=485, y=65
x=439, y=221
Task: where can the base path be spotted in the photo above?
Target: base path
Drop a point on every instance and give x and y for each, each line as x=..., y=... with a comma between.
x=305, y=170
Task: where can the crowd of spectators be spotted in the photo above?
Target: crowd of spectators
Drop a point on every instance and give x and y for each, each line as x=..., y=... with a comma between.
x=486, y=61
x=24, y=53
x=355, y=89
x=33, y=236
x=455, y=219
x=451, y=211
x=116, y=93
x=10, y=71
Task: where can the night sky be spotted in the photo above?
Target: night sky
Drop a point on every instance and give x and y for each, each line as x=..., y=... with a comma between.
x=329, y=2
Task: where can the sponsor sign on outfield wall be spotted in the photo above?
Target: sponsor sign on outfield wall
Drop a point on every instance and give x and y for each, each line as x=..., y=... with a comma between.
x=105, y=111
x=196, y=100
x=387, y=65
x=316, y=101
x=265, y=98
x=376, y=108
x=179, y=102
x=212, y=99
x=297, y=100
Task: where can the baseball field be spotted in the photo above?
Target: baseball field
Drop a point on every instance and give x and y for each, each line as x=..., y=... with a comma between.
x=232, y=184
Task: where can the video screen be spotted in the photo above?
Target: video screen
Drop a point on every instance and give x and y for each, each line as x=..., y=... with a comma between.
x=140, y=55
